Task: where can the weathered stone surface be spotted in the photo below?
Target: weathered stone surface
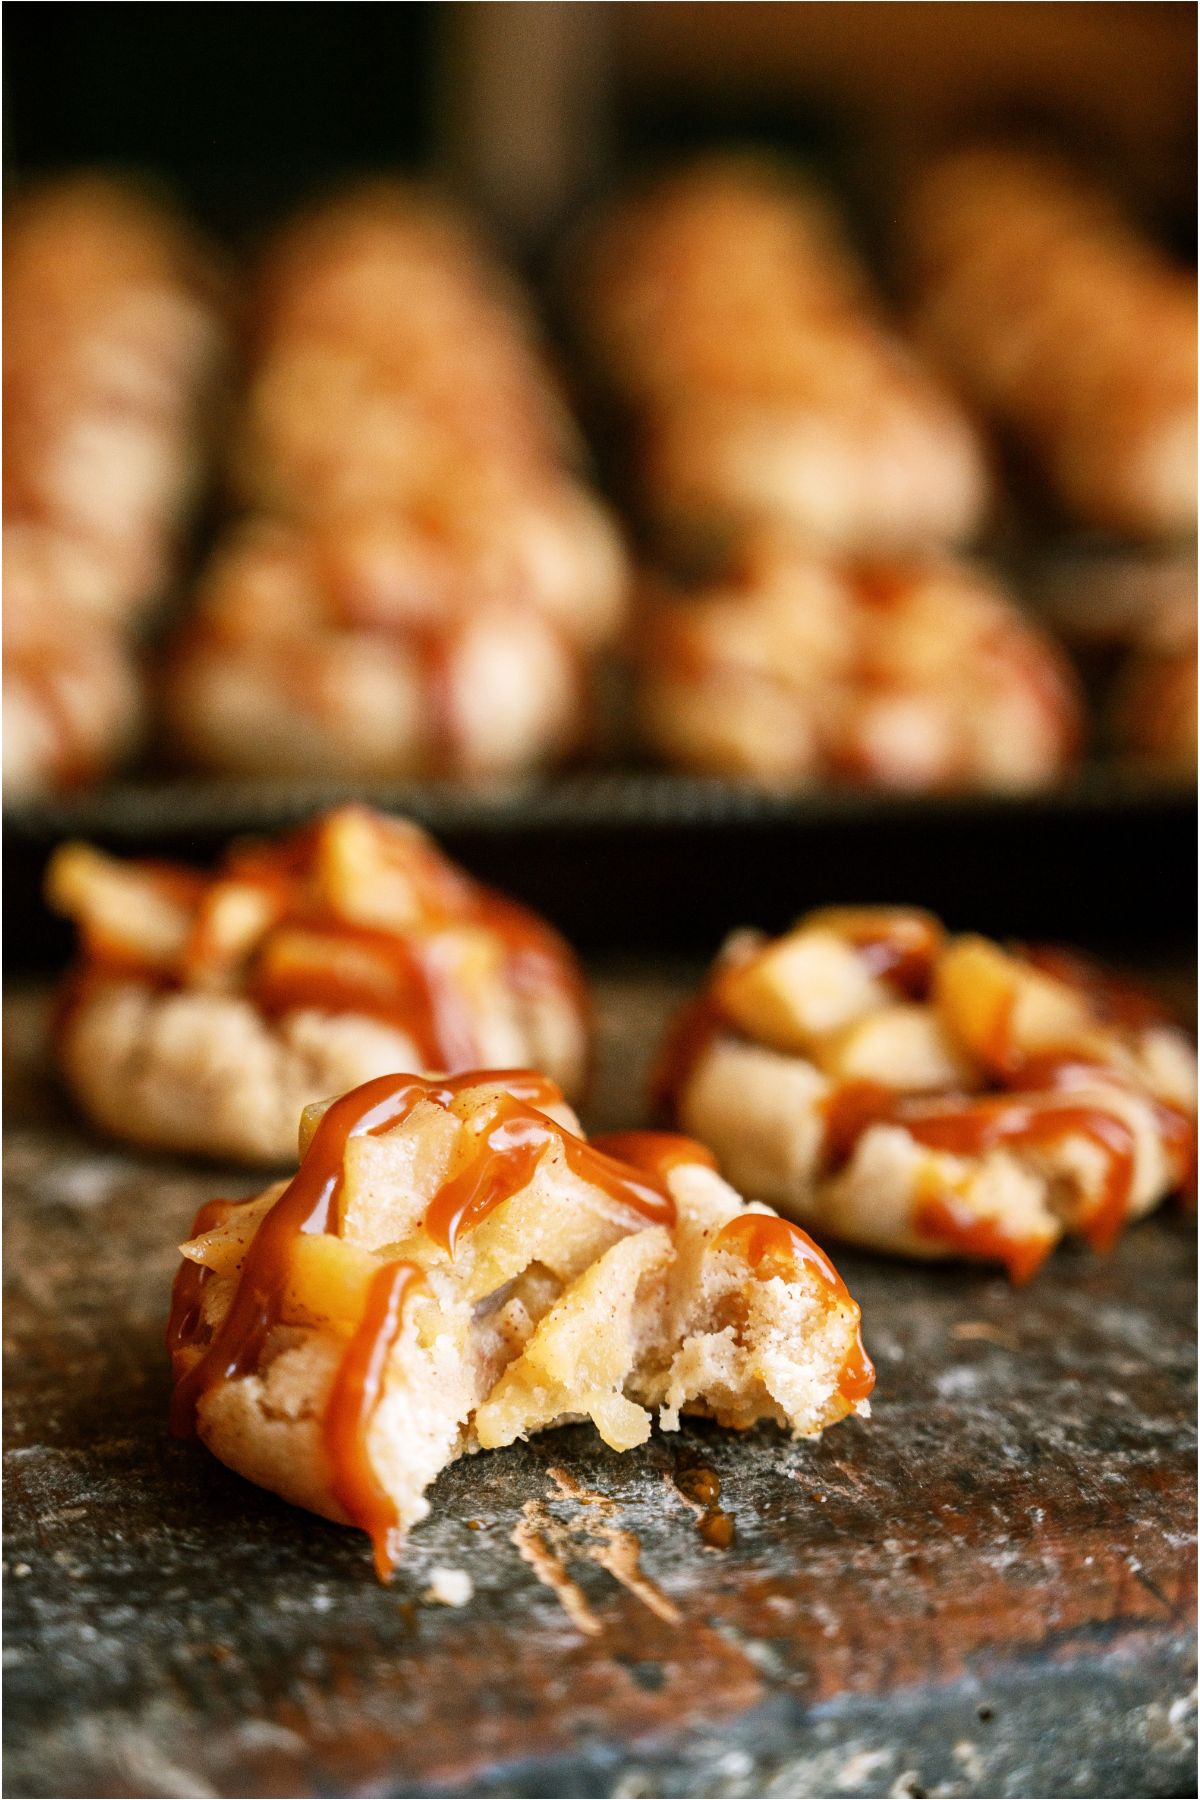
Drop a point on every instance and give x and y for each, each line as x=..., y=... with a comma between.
x=986, y=1589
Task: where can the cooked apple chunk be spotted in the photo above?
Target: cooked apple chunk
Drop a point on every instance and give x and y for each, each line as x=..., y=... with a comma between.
x=934, y=1096
x=454, y=1266
x=207, y=1010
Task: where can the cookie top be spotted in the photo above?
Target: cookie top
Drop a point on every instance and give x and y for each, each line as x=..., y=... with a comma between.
x=356, y=913
x=914, y=673
x=963, y=1047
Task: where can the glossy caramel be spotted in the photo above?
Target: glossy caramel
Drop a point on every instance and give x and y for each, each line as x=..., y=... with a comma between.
x=776, y=1248
x=702, y=1485
x=353, y=1397
x=943, y=1218
x=509, y=1150
x=977, y=1126
x=655, y=1152
x=406, y=977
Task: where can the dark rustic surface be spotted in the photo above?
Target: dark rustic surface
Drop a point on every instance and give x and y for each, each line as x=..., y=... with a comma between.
x=988, y=1588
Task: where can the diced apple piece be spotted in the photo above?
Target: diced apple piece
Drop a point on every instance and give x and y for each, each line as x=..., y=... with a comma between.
x=230, y=922
x=327, y=1282
x=798, y=989
x=582, y=1352
x=389, y=1180
x=903, y=1047
x=382, y=872
x=310, y=1118
x=126, y=912
x=223, y=1248
x=900, y=942
x=1000, y=1010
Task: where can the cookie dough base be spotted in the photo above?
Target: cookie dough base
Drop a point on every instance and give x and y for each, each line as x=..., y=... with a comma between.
x=207, y=1074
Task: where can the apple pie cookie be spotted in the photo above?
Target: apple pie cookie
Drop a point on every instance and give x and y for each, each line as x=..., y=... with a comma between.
x=207, y=1009
x=454, y=635
x=736, y=328
x=454, y=1267
x=933, y=1096
x=1039, y=297
x=421, y=583
x=789, y=669
x=115, y=344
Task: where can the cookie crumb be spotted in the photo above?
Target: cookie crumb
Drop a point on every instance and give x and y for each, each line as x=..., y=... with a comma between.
x=449, y=1587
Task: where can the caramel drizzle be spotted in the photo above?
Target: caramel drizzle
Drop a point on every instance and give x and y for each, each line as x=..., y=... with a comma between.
x=970, y=1127
x=510, y=1148
x=415, y=990
x=945, y=1219
x=185, y=1323
x=774, y=1247
x=421, y=995
x=1061, y=1072
x=500, y=1164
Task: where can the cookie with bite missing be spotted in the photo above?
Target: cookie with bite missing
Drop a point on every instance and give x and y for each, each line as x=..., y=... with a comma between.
x=454, y=1266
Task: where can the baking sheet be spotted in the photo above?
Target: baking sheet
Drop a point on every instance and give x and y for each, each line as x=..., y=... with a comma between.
x=641, y=860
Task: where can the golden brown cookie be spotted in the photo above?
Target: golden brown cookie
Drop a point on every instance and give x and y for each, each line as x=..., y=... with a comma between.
x=207, y=1010
x=454, y=1266
x=933, y=1096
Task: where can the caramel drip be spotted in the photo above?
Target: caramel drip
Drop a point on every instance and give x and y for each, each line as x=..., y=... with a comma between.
x=1062, y=1072
x=996, y=1120
x=702, y=1486
x=716, y=1528
x=774, y=1247
x=309, y=1204
x=353, y=1397
x=849, y=1110
x=655, y=1152
x=946, y=1220
x=184, y=1322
